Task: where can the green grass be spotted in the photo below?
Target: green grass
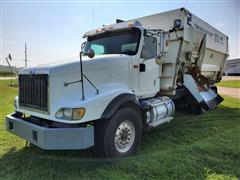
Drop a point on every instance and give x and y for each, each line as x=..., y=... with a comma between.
x=189, y=147
x=230, y=83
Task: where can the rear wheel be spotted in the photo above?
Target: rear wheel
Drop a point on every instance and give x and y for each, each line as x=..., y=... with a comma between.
x=121, y=135
x=215, y=90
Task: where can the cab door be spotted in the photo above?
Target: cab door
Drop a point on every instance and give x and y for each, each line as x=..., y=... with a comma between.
x=149, y=70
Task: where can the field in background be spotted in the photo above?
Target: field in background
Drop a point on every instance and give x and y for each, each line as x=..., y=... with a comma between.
x=230, y=83
x=6, y=74
x=189, y=147
x=5, y=71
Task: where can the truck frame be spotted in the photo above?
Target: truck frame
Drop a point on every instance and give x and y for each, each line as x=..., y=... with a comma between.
x=128, y=79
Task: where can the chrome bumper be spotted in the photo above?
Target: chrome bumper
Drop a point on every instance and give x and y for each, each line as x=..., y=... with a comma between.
x=51, y=138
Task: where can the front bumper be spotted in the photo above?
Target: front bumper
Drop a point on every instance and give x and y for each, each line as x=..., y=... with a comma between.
x=51, y=138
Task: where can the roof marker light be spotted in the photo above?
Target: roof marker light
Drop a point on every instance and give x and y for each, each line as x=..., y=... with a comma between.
x=130, y=24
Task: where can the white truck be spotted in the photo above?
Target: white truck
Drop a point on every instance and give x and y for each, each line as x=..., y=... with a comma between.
x=129, y=77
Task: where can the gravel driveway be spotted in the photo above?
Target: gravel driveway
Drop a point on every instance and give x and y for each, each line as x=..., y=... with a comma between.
x=225, y=78
x=7, y=78
x=227, y=91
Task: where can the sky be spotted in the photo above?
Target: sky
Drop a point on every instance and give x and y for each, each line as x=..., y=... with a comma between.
x=53, y=30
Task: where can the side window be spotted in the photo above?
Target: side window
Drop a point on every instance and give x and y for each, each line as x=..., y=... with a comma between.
x=149, y=49
x=98, y=49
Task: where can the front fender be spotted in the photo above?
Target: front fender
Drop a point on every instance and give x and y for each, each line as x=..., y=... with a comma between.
x=96, y=104
x=117, y=102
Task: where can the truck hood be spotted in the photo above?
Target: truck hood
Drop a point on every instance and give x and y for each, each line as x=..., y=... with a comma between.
x=63, y=68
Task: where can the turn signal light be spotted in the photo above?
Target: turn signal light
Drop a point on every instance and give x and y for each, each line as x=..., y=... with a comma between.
x=70, y=113
x=78, y=113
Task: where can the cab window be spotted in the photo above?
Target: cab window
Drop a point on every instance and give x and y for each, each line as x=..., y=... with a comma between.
x=149, y=49
x=98, y=49
x=115, y=42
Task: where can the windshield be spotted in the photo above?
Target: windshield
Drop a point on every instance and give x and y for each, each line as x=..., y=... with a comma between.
x=121, y=42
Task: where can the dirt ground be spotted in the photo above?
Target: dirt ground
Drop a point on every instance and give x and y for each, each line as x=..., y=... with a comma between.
x=227, y=91
x=7, y=77
x=225, y=78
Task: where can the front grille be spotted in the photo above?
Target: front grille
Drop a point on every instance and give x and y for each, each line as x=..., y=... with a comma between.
x=33, y=91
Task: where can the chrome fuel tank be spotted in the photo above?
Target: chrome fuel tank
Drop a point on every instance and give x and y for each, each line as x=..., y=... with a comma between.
x=162, y=108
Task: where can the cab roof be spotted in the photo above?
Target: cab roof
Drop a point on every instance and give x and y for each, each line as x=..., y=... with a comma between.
x=113, y=27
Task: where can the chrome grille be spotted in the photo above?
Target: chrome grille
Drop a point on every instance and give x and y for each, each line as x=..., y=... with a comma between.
x=33, y=91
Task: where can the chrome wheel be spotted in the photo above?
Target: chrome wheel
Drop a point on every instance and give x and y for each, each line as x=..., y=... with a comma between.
x=124, y=136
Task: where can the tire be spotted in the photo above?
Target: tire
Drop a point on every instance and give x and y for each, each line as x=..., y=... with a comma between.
x=192, y=106
x=110, y=135
x=214, y=89
x=196, y=109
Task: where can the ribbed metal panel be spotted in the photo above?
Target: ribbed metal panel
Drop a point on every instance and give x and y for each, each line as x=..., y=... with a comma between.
x=33, y=91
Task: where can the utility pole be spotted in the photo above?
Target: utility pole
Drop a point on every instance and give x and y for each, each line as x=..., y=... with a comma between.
x=93, y=18
x=25, y=54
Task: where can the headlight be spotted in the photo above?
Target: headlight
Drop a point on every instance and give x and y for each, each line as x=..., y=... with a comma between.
x=70, y=113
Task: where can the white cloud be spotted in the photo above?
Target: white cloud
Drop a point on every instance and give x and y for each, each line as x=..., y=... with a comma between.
x=220, y=24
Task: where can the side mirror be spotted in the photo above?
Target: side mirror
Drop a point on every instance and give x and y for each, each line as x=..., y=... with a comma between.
x=9, y=56
x=90, y=53
x=83, y=46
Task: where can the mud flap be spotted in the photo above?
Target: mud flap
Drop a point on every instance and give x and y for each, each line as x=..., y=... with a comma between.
x=207, y=99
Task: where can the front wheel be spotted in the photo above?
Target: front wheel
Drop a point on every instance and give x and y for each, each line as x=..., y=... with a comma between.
x=121, y=135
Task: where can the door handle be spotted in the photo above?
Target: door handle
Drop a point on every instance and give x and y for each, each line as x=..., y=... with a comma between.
x=142, y=67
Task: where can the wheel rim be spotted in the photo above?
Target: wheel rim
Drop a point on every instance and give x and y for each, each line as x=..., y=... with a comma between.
x=124, y=136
